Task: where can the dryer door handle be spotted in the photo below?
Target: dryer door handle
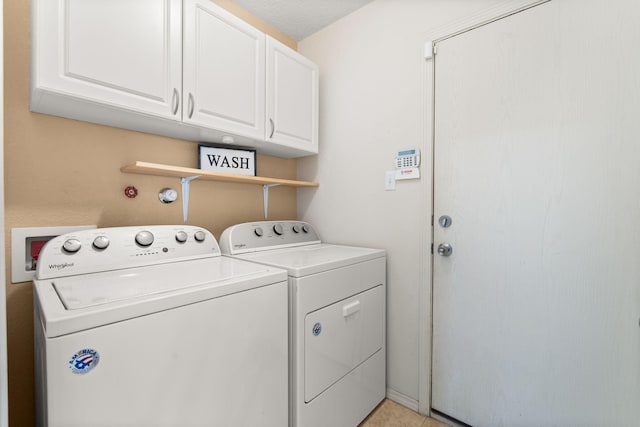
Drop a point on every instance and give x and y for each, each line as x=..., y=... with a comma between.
x=351, y=308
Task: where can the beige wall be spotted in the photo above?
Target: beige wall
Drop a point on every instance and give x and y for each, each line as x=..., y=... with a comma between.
x=64, y=172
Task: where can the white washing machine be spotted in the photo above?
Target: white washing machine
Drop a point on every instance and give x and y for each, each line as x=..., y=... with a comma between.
x=336, y=318
x=151, y=326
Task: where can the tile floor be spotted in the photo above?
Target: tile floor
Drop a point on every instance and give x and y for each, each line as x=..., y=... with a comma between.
x=391, y=414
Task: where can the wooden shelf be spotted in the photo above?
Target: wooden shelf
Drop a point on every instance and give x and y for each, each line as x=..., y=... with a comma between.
x=145, y=168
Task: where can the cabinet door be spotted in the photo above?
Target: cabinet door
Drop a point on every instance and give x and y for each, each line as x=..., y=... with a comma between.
x=292, y=98
x=224, y=63
x=123, y=53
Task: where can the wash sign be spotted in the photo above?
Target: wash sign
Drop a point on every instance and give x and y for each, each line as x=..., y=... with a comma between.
x=227, y=160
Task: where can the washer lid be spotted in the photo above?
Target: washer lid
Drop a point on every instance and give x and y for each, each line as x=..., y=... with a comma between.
x=305, y=260
x=84, y=291
x=71, y=304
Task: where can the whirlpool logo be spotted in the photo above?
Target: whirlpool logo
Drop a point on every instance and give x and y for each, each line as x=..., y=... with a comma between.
x=61, y=266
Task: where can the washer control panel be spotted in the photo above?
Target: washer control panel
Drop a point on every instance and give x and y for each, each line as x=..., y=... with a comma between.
x=106, y=249
x=264, y=235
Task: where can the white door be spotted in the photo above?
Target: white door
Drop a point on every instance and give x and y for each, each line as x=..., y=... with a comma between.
x=224, y=71
x=120, y=53
x=537, y=163
x=292, y=98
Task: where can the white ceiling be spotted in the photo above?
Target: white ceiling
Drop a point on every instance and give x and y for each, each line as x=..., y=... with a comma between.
x=300, y=18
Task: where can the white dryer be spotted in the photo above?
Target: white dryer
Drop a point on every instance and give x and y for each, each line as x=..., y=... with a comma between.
x=151, y=326
x=337, y=318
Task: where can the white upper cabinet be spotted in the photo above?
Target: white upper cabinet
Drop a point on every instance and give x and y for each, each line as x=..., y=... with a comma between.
x=121, y=53
x=292, y=98
x=185, y=69
x=224, y=71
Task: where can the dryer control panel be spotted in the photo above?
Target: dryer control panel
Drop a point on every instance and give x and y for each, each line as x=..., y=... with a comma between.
x=106, y=249
x=264, y=235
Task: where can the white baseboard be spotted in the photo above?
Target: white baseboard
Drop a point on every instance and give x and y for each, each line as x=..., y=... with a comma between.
x=402, y=399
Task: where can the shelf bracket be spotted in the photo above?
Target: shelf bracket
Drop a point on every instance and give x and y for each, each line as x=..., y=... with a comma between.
x=185, y=195
x=265, y=194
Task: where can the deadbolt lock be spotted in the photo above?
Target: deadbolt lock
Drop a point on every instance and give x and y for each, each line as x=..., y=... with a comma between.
x=445, y=221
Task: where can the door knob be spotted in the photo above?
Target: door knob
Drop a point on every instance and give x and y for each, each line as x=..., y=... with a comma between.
x=444, y=249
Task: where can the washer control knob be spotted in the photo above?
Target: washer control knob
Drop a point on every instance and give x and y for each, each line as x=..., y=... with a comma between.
x=278, y=229
x=258, y=232
x=144, y=238
x=199, y=236
x=305, y=228
x=296, y=228
x=181, y=237
x=101, y=242
x=72, y=245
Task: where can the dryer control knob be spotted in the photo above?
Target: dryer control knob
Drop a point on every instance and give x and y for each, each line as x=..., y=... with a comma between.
x=72, y=245
x=258, y=232
x=144, y=238
x=305, y=228
x=199, y=236
x=101, y=242
x=278, y=229
x=296, y=228
x=181, y=237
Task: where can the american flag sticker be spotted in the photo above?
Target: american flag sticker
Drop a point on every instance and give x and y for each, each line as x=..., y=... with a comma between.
x=84, y=361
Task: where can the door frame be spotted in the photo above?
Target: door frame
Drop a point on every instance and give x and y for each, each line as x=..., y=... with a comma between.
x=4, y=398
x=432, y=37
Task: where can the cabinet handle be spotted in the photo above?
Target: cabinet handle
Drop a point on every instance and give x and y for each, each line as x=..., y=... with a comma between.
x=176, y=101
x=191, y=104
x=273, y=128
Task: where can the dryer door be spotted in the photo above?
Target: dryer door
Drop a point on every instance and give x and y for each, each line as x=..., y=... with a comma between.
x=340, y=337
